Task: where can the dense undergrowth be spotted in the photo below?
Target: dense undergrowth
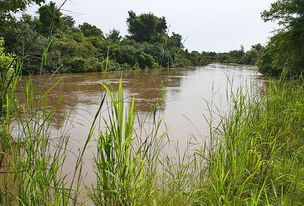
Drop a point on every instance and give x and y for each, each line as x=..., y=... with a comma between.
x=258, y=157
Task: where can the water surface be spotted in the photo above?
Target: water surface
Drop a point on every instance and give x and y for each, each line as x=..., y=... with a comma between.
x=189, y=92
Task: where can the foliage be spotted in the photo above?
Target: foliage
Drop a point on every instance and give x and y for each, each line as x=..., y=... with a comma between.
x=89, y=30
x=253, y=55
x=146, y=27
x=175, y=41
x=284, y=52
x=68, y=23
x=286, y=12
x=234, y=56
x=10, y=7
x=257, y=156
x=49, y=19
x=121, y=164
x=85, y=47
x=6, y=72
x=114, y=36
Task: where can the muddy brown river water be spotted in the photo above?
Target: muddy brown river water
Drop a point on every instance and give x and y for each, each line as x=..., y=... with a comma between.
x=188, y=92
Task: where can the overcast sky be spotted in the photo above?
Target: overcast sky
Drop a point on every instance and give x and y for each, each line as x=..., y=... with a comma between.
x=206, y=25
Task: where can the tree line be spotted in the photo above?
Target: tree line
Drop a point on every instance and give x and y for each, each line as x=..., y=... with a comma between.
x=283, y=55
x=51, y=42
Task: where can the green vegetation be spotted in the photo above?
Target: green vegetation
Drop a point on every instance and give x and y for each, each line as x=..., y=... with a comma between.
x=258, y=150
x=255, y=154
x=29, y=171
x=284, y=53
x=237, y=56
x=85, y=48
x=125, y=163
x=6, y=67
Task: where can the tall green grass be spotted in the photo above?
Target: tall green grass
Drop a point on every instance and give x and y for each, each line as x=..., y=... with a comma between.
x=125, y=165
x=31, y=161
x=257, y=157
x=30, y=166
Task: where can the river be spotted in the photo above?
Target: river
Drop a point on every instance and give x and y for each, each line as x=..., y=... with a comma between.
x=191, y=94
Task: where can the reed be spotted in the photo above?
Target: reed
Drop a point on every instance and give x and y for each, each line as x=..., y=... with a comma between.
x=125, y=164
x=32, y=160
x=258, y=150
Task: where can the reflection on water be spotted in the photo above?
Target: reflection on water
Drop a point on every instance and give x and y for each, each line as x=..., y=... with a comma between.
x=186, y=92
x=83, y=91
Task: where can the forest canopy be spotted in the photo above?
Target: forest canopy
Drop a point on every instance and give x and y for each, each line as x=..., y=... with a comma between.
x=64, y=46
x=284, y=54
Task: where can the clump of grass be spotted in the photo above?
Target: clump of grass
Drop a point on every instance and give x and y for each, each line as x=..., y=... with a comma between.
x=125, y=163
x=31, y=169
x=31, y=161
x=258, y=154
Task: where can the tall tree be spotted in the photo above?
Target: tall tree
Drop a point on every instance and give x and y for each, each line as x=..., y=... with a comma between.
x=286, y=12
x=8, y=8
x=175, y=41
x=89, y=30
x=114, y=36
x=284, y=54
x=146, y=27
x=49, y=18
x=68, y=22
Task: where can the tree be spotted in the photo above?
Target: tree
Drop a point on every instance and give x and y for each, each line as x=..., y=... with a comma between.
x=286, y=12
x=10, y=7
x=251, y=56
x=284, y=54
x=49, y=18
x=68, y=22
x=175, y=41
x=89, y=30
x=114, y=36
x=7, y=6
x=146, y=27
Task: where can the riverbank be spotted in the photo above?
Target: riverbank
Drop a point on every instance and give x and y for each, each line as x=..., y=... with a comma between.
x=255, y=156
x=258, y=153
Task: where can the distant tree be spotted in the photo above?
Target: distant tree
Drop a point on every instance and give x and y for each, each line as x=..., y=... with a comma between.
x=251, y=56
x=49, y=18
x=114, y=36
x=257, y=47
x=176, y=41
x=68, y=22
x=242, y=50
x=146, y=27
x=89, y=30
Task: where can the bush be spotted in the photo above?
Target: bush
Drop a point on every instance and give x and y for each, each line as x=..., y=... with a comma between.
x=145, y=60
x=76, y=65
